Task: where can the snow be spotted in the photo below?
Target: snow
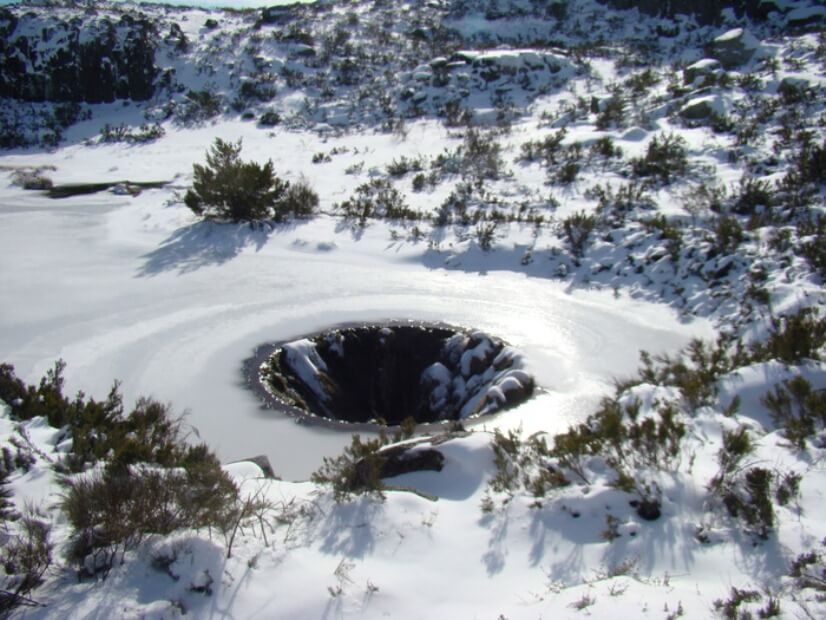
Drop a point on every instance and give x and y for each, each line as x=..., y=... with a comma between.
x=136, y=288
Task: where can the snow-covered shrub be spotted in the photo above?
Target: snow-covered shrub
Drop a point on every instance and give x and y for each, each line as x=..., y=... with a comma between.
x=481, y=156
x=113, y=509
x=809, y=570
x=122, y=133
x=545, y=150
x=668, y=233
x=793, y=338
x=728, y=234
x=377, y=199
x=611, y=114
x=25, y=557
x=753, y=193
x=227, y=188
x=814, y=248
x=7, y=511
x=199, y=106
x=300, y=200
x=269, y=118
x=665, y=158
x=614, y=206
x=796, y=408
x=577, y=229
x=401, y=166
x=356, y=471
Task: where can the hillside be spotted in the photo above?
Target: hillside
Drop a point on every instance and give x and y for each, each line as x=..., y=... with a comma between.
x=591, y=235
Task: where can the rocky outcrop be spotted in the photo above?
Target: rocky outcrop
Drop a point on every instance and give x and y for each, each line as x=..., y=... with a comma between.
x=733, y=48
x=704, y=11
x=702, y=108
x=86, y=58
x=702, y=73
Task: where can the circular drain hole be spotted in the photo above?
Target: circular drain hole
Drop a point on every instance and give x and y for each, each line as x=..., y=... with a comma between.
x=385, y=374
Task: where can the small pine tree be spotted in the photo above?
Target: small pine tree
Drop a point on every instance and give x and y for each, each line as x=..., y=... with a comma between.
x=227, y=188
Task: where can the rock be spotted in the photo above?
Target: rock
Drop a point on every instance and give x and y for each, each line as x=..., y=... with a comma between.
x=702, y=72
x=405, y=459
x=733, y=48
x=279, y=15
x=98, y=61
x=807, y=19
x=704, y=11
x=702, y=108
x=648, y=509
x=302, y=50
x=264, y=463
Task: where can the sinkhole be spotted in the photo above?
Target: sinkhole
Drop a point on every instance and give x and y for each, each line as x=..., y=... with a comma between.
x=385, y=374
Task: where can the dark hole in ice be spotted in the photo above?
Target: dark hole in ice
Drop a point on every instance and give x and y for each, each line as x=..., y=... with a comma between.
x=388, y=373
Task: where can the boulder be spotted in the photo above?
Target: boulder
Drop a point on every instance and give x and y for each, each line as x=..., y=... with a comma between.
x=647, y=508
x=702, y=72
x=807, y=19
x=702, y=108
x=405, y=459
x=733, y=48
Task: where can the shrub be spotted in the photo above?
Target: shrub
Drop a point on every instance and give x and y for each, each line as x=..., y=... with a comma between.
x=809, y=571
x=7, y=511
x=665, y=158
x=227, y=188
x=796, y=408
x=814, y=250
x=728, y=608
x=753, y=193
x=612, y=114
x=615, y=206
x=546, y=149
x=25, y=557
x=355, y=472
x=200, y=105
x=728, y=234
x=377, y=199
x=269, y=119
x=403, y=165
x=480, y=156
x=793, y=338
x=578, y=228
x=745, y=491
x=122, y=133
x=300, y=200
x=112, y=510
x=667, y=232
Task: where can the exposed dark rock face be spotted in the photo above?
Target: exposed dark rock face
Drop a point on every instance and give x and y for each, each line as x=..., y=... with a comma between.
x=393, y=373
x=402, y=459
x=705, y=11
x=647, y=508
x=734, y=48
x=84, y=59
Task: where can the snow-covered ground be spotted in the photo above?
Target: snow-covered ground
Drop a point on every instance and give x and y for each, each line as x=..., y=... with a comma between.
x=146, y=294
x=136, y=288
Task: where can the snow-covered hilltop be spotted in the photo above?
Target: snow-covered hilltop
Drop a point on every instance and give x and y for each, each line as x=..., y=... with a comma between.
x=465, y=209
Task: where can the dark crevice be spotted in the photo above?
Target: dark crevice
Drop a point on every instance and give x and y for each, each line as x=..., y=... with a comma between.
x=396, y=373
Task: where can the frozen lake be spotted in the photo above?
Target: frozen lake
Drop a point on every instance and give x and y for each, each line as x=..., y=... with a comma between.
x=119, y=290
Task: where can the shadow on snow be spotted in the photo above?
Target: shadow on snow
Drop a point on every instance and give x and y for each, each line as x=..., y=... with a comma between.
x=205, y=244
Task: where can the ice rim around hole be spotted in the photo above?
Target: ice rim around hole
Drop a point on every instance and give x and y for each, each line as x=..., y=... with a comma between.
x=484, y=376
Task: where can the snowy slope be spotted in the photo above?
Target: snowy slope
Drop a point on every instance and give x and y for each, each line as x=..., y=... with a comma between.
x=136, y=288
